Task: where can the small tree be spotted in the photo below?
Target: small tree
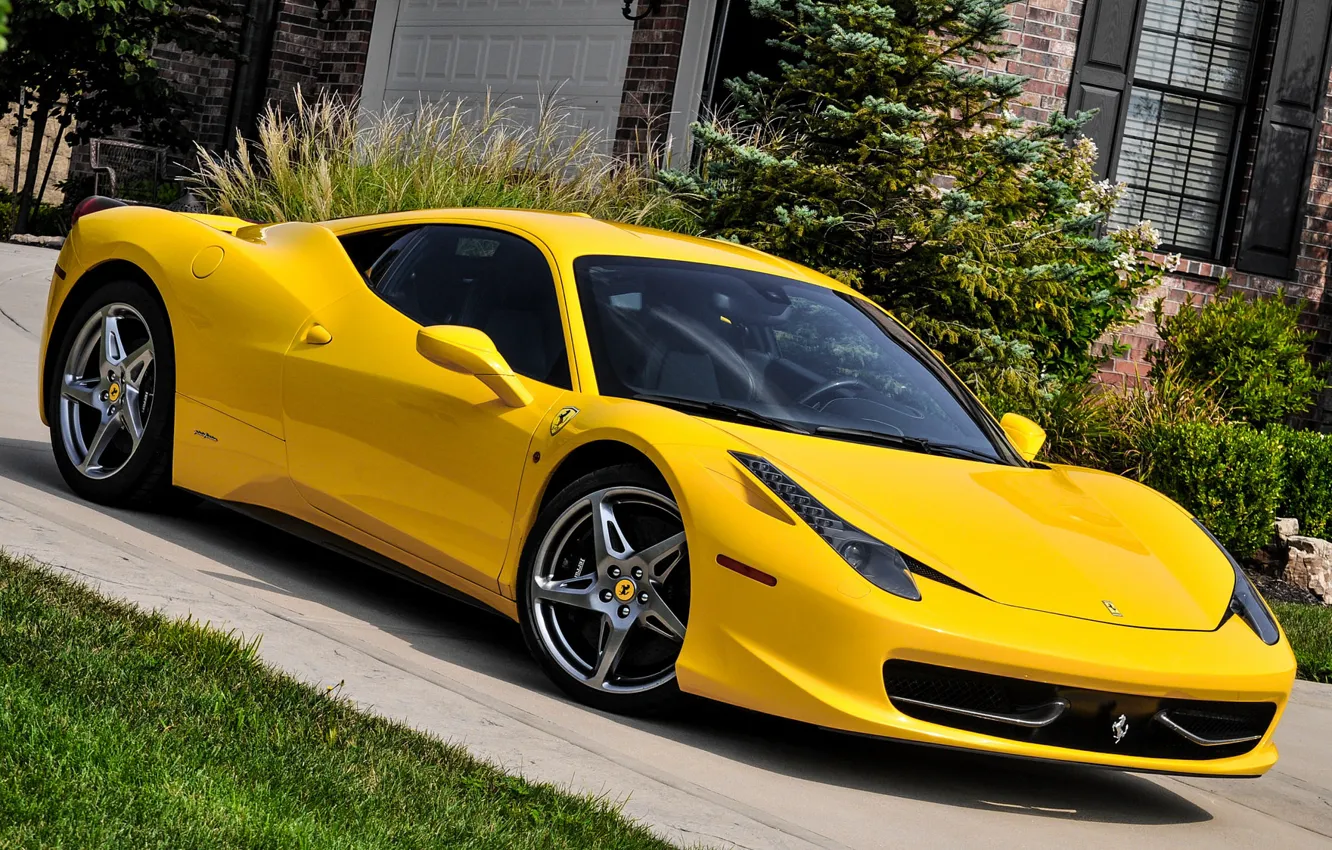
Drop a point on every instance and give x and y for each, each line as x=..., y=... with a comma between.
x=88, y=64
x=886, y=155
x=1251, y=354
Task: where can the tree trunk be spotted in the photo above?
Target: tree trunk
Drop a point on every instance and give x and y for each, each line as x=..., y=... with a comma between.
x=18, y=138
x=26, y=200
x=65, y=120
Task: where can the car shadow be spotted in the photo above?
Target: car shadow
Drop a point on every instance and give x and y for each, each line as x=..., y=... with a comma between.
x=275, y=561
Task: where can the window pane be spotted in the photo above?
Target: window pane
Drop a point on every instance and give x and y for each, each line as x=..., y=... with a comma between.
x=1174, y=158
x=1201, y=45
x=485, y=279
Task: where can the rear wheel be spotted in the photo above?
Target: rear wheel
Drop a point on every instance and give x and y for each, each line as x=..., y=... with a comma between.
x=604, y=590
x=109, y=397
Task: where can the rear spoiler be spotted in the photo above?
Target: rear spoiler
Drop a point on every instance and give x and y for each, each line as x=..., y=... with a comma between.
x=224, y=223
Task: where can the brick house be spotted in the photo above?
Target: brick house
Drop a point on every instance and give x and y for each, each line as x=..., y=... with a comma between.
x=1214, y=112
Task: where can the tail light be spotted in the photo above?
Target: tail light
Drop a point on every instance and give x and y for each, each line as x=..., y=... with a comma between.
x=92, y=204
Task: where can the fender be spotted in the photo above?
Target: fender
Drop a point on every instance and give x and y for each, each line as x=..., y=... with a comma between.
x=235, y=301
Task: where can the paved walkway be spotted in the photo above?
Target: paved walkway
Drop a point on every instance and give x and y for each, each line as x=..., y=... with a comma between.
x=719, y=777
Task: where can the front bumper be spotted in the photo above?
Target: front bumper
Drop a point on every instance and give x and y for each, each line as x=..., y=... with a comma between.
x=813, y=647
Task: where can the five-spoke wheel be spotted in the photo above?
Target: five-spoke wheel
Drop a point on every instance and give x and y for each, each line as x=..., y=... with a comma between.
x=606, y=590
x=106, y=390
x=110, y=389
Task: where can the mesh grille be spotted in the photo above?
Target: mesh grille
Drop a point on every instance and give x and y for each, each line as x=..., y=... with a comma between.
x=1239, y=721
x=1089, y=721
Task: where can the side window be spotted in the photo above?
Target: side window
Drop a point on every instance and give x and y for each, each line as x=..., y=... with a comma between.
x=485, y=279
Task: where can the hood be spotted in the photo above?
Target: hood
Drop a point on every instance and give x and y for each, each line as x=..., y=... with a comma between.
x=1062, y=540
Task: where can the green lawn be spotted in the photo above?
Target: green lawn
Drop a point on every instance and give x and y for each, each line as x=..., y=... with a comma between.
x=1309, y=628
x=125, y=729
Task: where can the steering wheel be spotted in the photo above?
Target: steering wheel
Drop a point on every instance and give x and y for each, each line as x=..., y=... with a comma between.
x=827, y=388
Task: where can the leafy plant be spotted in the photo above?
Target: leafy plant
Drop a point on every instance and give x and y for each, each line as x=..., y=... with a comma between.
x=1101, y=426
x=1251, y=353
x=1306, y=492
x=87, y=66
x=1229, y=476
x=323, y=163
x=885, y=155
x=1309, y=628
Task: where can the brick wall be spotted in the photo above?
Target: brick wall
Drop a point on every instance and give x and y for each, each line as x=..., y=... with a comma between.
x=315, y=52
x=1045, y=34
x=1197, y=280
x=649, y=80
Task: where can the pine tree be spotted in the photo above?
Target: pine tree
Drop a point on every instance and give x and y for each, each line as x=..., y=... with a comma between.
x=886, y=154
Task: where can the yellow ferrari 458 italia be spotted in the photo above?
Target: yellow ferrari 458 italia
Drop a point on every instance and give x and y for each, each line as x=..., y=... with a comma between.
x=683, y=466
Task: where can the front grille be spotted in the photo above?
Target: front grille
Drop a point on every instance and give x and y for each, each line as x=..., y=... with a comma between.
x=1087, y=721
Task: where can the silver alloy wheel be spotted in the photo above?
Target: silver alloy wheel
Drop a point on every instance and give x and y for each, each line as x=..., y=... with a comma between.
x=610, y=624
x=106, y=390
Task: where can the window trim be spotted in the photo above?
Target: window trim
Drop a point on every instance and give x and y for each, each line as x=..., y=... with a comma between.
x=1246, y=106
x=418, y=230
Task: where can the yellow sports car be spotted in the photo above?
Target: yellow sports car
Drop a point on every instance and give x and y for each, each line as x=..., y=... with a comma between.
x=681, y=465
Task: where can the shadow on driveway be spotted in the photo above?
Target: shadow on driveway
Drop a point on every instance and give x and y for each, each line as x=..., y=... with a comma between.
x=489, y=644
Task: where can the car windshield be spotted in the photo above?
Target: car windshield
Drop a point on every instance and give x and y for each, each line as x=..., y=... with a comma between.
x=770, y=351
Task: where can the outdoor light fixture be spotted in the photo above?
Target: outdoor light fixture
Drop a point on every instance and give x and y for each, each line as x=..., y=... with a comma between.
x=652, y=9
x=325, y=13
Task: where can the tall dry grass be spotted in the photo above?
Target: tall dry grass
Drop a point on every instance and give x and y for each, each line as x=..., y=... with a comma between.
x=329, y=161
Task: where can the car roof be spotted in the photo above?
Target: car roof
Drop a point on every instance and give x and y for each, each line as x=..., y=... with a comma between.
x=571, y=235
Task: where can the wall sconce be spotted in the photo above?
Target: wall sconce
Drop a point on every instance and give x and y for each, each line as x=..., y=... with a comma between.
x=652, y=9
x=325, y=13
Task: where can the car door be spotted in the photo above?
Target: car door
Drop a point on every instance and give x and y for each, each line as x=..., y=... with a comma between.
x=422, y=457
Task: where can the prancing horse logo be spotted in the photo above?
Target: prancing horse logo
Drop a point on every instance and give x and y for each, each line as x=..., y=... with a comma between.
x=1119, y=728
x=1110, y=606
x=561, y=419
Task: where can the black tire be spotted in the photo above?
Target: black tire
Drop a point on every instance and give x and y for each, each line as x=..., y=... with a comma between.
x=144, y=477
x=643, y=637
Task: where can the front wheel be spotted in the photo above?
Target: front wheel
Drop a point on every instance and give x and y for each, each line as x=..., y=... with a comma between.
x=109, y=397
x=604, y=591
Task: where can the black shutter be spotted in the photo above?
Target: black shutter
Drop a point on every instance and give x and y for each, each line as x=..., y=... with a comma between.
x=1287, y=140
x=1103, y=73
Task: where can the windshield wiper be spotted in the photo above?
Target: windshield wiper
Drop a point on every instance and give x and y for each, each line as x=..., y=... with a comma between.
x=721, y=410
x=897, y=441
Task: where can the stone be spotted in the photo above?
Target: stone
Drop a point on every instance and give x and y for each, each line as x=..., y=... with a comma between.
x=1286, y=528
x=40, y=241
x=1309, y=566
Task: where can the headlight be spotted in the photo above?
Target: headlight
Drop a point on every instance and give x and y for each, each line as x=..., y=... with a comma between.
x=883, y=565
x=1245, y=601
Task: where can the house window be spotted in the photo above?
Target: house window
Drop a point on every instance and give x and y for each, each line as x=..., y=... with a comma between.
x=1185, y=105
x=1172, y=85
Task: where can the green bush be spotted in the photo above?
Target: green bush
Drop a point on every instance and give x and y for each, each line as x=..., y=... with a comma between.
x=1228, y=476
x=1309, y=628
x=1306, y=491
x=328, y=161
x=1252, y=354
x=44, y=220
x=879, y=158
x=1103, y=426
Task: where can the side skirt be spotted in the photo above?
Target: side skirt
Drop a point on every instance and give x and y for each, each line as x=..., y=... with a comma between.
x=342, y=546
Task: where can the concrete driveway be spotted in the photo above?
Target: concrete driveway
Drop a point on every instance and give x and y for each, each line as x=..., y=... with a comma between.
x=717, y=777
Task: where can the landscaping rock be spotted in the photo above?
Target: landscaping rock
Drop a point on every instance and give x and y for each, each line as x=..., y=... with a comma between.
x=1309, y=566
x=40, y=241
x=1276, y=590
x=1286, y=528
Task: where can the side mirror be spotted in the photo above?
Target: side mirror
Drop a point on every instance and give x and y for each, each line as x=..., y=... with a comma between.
x=1026, y=436
x=471, y=352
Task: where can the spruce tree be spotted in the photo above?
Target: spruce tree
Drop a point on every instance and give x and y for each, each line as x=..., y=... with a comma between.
x=886, y=154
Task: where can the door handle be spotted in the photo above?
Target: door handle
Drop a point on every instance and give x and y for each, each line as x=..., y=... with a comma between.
x=317, y=334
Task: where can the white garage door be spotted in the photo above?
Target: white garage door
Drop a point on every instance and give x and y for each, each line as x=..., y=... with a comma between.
x=446, y=49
